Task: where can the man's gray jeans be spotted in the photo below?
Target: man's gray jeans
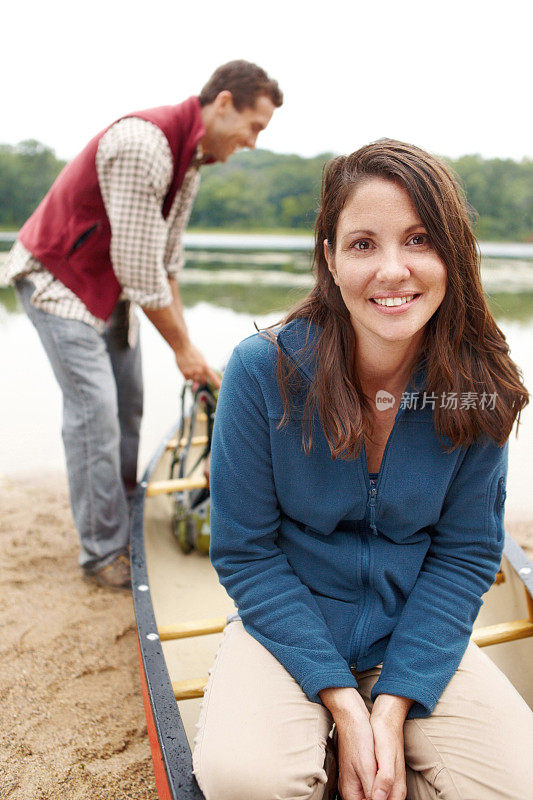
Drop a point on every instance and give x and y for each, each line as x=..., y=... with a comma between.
x=101, y=381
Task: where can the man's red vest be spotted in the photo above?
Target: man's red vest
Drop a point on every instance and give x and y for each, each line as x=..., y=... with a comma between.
x=69, y=232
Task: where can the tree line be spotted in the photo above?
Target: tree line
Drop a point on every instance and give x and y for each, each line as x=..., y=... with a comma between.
x=265, y=191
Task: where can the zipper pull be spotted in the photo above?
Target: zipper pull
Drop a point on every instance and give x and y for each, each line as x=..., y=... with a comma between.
x=372, y=507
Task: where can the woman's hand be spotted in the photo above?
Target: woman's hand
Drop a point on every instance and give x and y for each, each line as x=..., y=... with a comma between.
x=355, y=742
x=387, y=720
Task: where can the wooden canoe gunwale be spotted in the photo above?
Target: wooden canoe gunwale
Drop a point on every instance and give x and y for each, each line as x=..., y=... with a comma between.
x=173, y=744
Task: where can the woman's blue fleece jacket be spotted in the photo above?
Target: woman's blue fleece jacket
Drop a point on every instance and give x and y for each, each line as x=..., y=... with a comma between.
x=327, y=573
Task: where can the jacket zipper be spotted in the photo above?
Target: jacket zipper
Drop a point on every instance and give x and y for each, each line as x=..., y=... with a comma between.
x=373, y=484
x=372, y=494
x=357, y=641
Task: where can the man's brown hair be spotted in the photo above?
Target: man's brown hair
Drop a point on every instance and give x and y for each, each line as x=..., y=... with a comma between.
x=245, y=81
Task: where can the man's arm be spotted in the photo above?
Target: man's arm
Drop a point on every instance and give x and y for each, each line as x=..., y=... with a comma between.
x=134, y=168
x=170, y=323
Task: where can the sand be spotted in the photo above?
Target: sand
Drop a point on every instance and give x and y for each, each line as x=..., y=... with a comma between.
x=73, y=723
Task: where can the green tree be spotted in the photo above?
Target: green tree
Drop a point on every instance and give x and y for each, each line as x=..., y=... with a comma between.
x=264, y=190
x=27, y=170
x=501, y=192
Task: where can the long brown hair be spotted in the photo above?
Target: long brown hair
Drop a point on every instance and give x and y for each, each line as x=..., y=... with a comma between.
x=464, y=350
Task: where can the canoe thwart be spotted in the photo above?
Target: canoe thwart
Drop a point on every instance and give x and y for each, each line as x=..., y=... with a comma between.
x=196, y=441
x=175, y=485
x=483, y=637
x=200, y=627
x=503, y=632
x=189, y=689
x=194, y=687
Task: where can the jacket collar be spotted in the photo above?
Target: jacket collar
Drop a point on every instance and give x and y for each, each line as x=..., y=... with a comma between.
x=297, y=340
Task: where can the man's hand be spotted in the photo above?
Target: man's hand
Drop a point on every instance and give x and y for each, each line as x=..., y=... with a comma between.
x=355, y=742
x=387, y=720
x=170, y=322
x=194, y=367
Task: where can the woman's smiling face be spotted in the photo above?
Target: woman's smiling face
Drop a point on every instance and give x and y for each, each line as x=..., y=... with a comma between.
x=383, y=253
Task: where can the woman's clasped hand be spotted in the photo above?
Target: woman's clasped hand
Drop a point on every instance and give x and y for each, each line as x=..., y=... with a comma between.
x=370, y=749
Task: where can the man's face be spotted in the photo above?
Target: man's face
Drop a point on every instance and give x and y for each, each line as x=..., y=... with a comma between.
x=228, y=130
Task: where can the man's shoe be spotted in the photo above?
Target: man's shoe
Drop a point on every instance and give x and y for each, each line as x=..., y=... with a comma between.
x=115, y=575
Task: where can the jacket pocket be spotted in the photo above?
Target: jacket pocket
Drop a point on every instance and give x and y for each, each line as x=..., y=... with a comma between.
x=82, y=238
x=495, y=511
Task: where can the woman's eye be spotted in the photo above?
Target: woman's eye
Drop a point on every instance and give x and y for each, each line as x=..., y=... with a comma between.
x=420, y=238
x=361, y=244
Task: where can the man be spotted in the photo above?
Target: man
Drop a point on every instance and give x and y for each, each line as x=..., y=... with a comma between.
x=109, y=234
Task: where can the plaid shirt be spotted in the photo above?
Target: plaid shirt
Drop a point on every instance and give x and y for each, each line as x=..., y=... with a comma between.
x=134, y=166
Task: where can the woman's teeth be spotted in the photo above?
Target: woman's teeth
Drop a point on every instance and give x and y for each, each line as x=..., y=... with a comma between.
x=392, y=301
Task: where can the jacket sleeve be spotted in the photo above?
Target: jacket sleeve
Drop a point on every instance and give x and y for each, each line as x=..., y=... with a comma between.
x=276, y=608
x=435, y=625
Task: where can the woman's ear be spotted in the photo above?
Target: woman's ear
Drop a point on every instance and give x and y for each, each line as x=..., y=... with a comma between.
x=329, y=260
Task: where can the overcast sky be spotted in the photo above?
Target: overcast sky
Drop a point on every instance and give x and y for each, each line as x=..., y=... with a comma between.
x=453, y=77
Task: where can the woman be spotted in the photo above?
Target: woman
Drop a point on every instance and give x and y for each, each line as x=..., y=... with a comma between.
x=358, y=486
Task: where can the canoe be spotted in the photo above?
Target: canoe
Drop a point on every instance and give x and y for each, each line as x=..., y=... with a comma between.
x=181, y=608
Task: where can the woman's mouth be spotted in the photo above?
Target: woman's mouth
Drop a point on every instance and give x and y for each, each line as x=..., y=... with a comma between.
x=394, y=305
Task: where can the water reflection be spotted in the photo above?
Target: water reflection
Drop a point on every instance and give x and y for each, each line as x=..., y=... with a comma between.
x=268, y=291
x=8, y=299
x=512, y=306
x=247, y=298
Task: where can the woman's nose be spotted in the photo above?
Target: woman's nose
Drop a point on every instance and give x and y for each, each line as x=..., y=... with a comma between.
x=393, y=266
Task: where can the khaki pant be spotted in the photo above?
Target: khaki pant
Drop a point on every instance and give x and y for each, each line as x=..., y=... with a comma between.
x=260, y=738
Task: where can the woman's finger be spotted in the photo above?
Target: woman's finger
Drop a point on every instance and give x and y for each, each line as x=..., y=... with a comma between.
x=357, y=763
x=389, y=783
x=399, y=790
x=364, y=765
x=383, y=785
x=350, y=787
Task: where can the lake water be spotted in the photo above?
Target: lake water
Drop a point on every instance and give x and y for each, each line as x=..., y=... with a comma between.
x=224, y=293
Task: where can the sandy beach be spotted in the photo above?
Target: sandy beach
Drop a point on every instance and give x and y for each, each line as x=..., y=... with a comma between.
x=73, y=724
